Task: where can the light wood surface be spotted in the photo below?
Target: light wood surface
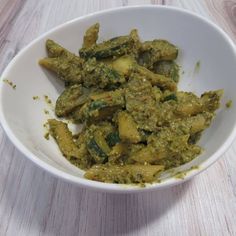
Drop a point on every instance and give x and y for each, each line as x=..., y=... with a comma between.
x=33, y=202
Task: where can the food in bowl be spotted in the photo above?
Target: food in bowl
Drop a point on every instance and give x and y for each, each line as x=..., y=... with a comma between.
x=136, y=124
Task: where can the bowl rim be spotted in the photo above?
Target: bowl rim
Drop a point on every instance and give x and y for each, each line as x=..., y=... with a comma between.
x=109, y=187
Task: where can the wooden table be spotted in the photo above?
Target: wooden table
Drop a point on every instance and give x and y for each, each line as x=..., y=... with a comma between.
x=33, y=202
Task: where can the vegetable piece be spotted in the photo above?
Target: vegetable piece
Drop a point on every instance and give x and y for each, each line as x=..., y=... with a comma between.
x=157, y=93
x=91, y=36
x=167, y=68
x=146, y=155
x=115, y=97
x=126, y=65
x=96, y=143
x=93, y=73
x=114, y=47
x=105, y=113
x=164, y=144
x=113, y=138
x=100, y=74
x=170, y=147
x=156, y=50
x=100, y=140
x=80, y=142
x=96, y=152
x=96, y=105
x=60, y=132
x=136, y=43
x=103, y=105
x=194, y=138
x=188, y=104
x=63, y=68
x=144, y=135
x=193, y=124
x=126, y=174
x=211, y=100
x=172, y=96
x=56, y=50
x=157, y=80
x=128, y=128
x=70, y=99
x=93, y=110
x=117, y=152
x=197, y=124
x=180, y=158
x=139, y=92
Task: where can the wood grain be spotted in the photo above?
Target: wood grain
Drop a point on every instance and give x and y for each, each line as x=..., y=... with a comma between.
x=32, y=202
x=224, y=13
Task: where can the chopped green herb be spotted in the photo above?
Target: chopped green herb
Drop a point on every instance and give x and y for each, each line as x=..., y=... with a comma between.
x=45, y=125
x=9, y=83
x=113, y=138
x=46, y=112
x=170, y=97
x=197, y=67
x=96, y=105
x=96, y=151
x=229, y=103
x=35, y=97
x=47, y=99
x=46, y=136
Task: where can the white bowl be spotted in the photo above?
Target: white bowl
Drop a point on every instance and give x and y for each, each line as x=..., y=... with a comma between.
x=198, y=39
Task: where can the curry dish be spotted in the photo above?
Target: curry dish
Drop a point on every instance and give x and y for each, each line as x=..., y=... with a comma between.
x=136, y=124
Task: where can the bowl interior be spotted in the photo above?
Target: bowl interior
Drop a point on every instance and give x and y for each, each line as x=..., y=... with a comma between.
x=198, y=40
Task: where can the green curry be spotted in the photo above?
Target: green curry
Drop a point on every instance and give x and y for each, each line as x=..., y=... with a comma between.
x=136, y=123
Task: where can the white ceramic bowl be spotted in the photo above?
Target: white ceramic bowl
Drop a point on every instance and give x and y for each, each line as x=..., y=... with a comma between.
x=198, y=39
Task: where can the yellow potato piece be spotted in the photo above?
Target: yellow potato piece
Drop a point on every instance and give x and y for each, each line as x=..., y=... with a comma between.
x=128, y=128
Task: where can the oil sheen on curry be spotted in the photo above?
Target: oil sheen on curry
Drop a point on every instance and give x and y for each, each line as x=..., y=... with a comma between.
x=136, y=124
